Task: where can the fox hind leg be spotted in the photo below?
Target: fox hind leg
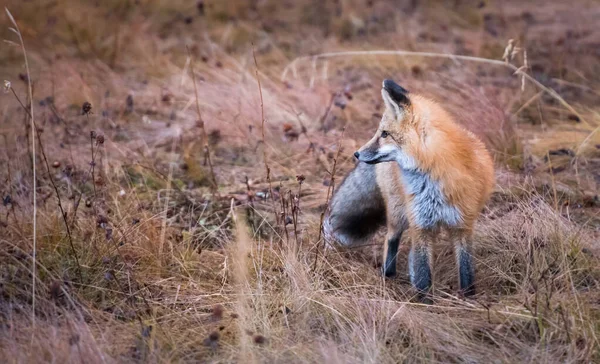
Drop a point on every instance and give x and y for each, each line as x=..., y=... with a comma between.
x=464, y=261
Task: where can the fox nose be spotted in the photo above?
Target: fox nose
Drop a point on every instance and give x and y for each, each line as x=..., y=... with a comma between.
x=356, y=154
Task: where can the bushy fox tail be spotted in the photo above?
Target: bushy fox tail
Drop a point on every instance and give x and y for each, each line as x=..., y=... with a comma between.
x=356, y=209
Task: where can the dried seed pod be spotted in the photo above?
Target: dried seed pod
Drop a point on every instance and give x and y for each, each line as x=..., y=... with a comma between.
x=217, y=312
x=86, y=108
x=259, y=339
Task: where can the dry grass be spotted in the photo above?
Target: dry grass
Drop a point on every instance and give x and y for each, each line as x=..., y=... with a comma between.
x=158, y=266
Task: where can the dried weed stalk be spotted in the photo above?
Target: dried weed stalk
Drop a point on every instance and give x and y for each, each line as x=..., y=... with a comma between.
x=330, y=190
x=17, y=31
x=204, y=141
x=262, y=113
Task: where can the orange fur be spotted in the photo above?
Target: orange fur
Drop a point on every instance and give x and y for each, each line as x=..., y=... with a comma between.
x=452, y=156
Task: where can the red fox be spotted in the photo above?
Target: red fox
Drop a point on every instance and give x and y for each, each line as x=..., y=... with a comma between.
x=422, y=172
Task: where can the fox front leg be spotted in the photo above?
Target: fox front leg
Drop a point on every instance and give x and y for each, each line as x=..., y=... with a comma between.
x=391, y=253
x=393, y=238
x=419, y=264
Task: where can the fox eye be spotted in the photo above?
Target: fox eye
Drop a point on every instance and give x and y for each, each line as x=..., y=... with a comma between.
x=384, y=134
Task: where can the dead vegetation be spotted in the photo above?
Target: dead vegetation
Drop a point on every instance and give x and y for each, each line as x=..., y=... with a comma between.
x=178, y=201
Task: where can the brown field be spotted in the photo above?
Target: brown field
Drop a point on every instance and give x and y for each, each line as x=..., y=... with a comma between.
x=178, y=219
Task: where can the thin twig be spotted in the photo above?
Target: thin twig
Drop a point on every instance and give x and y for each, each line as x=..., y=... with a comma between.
x=262, y=112
x=210, y=166
x=330, y=190
x=204, y=141
x=83, y=182
x=326, y=113
x=63, y=213
x=92, y=137
x=250, y=207
x=304, y=131
x=294, y=216
x=283, y=213
x=296, y=208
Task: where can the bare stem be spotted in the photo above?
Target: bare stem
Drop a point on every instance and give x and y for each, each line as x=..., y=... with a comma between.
x=283, y=213
x=326, y=113
x=204, y=141
x=262, y=112
x=90, y=172
x=330, y=190
x=60, y=207
x=294, y=217
x=92, y=137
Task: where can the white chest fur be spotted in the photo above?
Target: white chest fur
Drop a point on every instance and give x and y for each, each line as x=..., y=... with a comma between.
x=428, y=206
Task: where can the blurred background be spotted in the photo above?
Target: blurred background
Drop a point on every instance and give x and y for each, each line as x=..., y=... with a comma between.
x=159, y=124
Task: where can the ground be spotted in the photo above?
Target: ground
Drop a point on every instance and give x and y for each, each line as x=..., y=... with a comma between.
x=185, y=152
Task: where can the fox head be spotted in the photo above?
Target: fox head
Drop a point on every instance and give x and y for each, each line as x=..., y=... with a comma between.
x=395, y=129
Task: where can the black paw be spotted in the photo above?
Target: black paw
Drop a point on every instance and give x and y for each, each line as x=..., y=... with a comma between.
x=424, y=298
x=469, y=291
x=389, y=272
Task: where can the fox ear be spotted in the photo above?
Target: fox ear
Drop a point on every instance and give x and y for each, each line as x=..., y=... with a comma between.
x=394, y=96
